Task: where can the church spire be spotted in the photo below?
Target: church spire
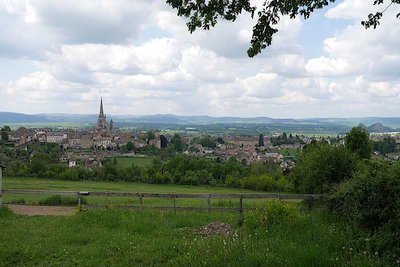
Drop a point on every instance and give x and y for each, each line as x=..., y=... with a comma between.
x=102, y=124
x=101, y=108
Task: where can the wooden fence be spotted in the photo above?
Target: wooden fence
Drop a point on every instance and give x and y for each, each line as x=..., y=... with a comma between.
x=241, y=197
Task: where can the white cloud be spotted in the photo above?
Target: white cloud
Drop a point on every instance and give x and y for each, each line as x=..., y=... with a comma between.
x=323, y=66
x=94, y=21
x=354, y=9
x=140, y=57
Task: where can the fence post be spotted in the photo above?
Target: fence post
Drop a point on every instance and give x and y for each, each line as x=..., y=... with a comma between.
x=174, y=203
x=209, y=202
x=79, y=200
x=106, y=199
x=310, y=202
x=241, y=206
x=141, y=200
x=1, y=183
x=241, y=217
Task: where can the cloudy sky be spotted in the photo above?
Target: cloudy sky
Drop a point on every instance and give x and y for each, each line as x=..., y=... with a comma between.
x=62, y=56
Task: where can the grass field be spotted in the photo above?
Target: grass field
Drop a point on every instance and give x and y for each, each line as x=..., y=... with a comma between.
x=289, y=152
x=91, y=186
x=48, y=184
x=114, y=237
x=111, y=237
x=138, y=161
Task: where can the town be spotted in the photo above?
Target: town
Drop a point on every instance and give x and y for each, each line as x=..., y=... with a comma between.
x=88, y=148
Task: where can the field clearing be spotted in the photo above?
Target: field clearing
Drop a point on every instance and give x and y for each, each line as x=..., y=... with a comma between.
x=92, y=186
x=289, y=152
x=129, y=161
x=48, y=184
x=32, y=210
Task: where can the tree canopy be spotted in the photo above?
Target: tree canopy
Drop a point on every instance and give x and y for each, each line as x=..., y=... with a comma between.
x=321, y=165
x=206, y=13
x=357, y=141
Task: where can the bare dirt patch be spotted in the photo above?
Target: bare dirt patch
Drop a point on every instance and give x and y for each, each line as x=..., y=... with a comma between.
x=32, y=210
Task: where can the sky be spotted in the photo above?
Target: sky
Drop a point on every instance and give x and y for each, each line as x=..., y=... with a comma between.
x=63, y=56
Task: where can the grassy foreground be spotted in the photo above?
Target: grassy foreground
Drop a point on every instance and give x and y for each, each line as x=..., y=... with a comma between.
x=112, y=237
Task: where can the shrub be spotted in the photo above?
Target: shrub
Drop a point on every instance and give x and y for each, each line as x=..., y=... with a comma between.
x=232, y=181
x=18, y=201
x=259, y=183
x=274, y=212
x=371, y=201
x=61, y=200
x=284, y=184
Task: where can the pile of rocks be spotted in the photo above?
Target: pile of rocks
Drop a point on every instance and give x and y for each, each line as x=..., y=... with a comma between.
x=216, y=228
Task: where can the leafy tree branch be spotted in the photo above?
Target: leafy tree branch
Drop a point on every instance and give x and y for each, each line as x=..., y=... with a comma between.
x=206, y=13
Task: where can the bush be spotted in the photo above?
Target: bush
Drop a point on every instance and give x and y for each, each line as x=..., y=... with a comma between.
x=232, y=181
x=18, y=201
x=284, y=184
x=274, y=212
x=259, y=183
x=58, y=200
x=371, y=201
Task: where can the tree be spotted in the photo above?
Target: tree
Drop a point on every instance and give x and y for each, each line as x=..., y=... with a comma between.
x=205, y=14
x=164, y=141
x=387, y=145
x=4, y=132
x=373, y=19
x=151, y=135
x=261, y=140
x=207, y=142
x=357, y=141
x=270, y=168
x=321, y=165
x=6, y=128
x=4, y=159
x=177, y=143
x=4, y=136
x=130, y=146
x=370, y=200
x=39, y=164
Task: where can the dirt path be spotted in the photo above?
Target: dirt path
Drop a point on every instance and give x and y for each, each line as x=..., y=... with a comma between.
x=32, y=210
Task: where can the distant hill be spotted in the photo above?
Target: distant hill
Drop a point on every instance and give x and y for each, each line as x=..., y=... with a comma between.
x=338, y=125
x=362, y=125
x=70, y=118
x=11, y=117
x=379, y=128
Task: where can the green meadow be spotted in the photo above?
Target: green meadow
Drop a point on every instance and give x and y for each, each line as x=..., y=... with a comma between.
x=103, y=186
x=286, y=235
x=92, y=186
x=113, y=237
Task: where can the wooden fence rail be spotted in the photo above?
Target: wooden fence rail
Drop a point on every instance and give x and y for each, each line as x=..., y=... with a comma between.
x=174, y=197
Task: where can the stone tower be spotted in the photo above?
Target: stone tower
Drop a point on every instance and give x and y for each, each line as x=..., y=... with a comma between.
x=102, y=124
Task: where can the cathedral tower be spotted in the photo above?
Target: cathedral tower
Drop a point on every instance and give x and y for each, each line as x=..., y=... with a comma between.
x=102, y=124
